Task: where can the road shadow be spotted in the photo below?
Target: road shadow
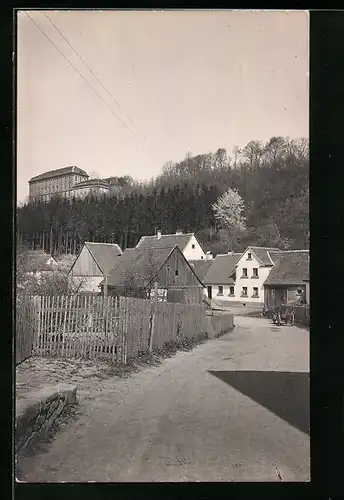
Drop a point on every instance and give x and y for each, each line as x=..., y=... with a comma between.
x=286, y=394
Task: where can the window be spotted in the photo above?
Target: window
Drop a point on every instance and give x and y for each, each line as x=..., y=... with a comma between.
x=255, y=272
x=299, y=292
x=193, y=247
x=249, y=256
x=202, y=257
x=244, y=272
x=220, y=290
x=255, y=291
x=244, y=291
x=176, y=273
x=231, y=290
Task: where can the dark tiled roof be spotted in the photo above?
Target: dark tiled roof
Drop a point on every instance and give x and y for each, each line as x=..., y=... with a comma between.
x=291, y=268
x=262, y=253
x=105, y=254
x=222, y=270
x=37, y=261
x=139, y=264
x=92, y=182
x=59, y=171
x=181, y=240
x=201, y=267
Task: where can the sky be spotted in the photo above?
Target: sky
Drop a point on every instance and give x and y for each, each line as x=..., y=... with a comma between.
x=180, y=81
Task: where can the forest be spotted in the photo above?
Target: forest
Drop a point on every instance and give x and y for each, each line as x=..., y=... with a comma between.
x=272, y=179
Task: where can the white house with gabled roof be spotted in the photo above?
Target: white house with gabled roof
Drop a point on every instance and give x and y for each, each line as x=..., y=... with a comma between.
x=186, y=242
x=252, y=269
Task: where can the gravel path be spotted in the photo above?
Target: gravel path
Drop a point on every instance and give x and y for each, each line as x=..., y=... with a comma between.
x=233, y=409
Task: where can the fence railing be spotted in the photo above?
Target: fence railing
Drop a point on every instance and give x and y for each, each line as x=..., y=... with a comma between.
x=25, y=327
x=115, y=328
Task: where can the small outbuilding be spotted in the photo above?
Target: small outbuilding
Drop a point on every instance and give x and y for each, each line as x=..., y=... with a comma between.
x=137, y=270
x=286, y=281
x=93, y=263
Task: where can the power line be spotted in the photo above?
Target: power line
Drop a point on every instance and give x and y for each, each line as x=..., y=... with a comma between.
x=80, y=74
x=91, y=71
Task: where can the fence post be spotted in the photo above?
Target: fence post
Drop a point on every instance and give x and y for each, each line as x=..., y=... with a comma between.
x=154, y=308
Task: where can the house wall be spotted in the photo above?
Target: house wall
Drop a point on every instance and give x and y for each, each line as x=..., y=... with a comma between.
x=185, y=295
x=250, y=282
x=46, y=188
x=308, y=298
x=225, y=297
x=193, y=253
x=273, y=294
x=167, y=277
x=292, y=292
x=85, y=265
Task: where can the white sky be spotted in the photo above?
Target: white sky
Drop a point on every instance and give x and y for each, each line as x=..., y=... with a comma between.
x=189, y=80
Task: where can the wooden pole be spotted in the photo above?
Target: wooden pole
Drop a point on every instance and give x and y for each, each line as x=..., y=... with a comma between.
x=154, y=308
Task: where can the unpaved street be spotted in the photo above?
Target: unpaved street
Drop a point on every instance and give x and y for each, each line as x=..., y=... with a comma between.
x=233, y=409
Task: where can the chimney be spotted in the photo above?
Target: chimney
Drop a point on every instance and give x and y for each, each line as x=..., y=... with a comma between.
x=179, y=231
x=158, y=234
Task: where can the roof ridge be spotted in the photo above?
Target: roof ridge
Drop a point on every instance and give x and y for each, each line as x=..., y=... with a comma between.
x=101, y=243
x=293, y=251
x=264, y=248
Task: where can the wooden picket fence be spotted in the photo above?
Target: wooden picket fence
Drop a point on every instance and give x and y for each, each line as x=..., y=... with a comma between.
x=25, y=327
x=115, y=328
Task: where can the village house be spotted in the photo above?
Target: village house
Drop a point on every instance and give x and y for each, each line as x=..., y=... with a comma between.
x=252, y=269
x=220, y=277
x=287, y=278
x=187, y=242
x=39, y=264
x=93, y=263
x=137, y=271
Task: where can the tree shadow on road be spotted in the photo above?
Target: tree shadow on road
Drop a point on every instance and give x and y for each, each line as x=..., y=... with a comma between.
x=284, y=393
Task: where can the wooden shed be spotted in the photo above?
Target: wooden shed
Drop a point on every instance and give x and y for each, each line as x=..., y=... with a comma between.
x=93, y=263
x=287, y=278
x=138, y=269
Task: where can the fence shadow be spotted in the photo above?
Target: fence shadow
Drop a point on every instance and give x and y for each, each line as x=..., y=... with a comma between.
x=286, y=394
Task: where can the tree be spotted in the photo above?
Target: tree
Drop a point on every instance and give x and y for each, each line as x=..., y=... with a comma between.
x=228, y=210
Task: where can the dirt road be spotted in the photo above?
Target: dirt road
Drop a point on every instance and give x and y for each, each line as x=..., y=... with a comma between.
x=233, y=409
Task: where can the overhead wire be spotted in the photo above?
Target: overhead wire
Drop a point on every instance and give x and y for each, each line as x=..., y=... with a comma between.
x=91, y=71
x=80, y=74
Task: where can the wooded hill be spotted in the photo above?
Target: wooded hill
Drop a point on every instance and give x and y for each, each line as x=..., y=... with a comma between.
x=272, y=178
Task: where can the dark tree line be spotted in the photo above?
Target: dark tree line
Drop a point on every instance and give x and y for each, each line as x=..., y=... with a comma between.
x=272, y=179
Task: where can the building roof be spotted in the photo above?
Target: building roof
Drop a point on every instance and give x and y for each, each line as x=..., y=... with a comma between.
x=181, y=240
x=262, y=254
x=291, y=268
x=105, y=254
x=141, y=265
x=91, y=183
x=138, y=264
x=222, y=269
x=37, y=260
x=59, y=171
x=201, y=267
